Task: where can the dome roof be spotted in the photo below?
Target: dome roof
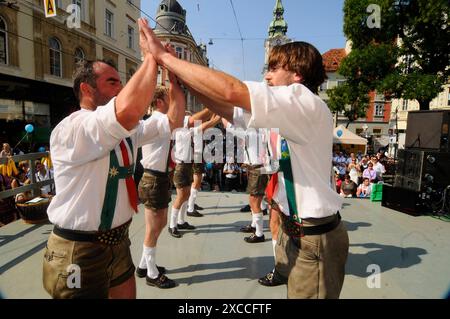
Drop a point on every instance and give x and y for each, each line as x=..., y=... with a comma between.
x=171, y=17
x=171, y=6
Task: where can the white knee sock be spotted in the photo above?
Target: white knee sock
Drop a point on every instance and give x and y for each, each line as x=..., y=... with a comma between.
x=192, y=200
x=182, y=214
x=143, y=262
x=150, y=256
x=254, y=220
x=173, y=217
x=259, y=220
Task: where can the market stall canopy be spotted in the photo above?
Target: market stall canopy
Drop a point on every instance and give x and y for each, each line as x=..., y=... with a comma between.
x=342, y=135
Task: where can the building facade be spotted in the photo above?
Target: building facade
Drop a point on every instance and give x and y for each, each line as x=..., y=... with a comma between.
x=375, y=125
x=171, y=28
x=38, y=56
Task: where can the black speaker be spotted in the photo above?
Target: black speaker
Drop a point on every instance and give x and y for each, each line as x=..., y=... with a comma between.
x=402, y=200
x=422, y=171
x=428, y=130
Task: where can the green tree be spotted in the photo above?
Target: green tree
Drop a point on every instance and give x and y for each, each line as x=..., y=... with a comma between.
x=414, y=67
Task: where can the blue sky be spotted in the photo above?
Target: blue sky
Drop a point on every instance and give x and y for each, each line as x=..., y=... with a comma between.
x=319, y=22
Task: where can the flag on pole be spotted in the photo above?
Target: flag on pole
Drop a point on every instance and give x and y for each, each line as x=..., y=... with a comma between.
x=50, y=8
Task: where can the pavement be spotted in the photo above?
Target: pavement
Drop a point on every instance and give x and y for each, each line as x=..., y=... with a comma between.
x=392, y=255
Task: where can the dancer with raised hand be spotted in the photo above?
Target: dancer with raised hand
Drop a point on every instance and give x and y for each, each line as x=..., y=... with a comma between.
x=313, y=241
x=93, y=152
x=155, y=187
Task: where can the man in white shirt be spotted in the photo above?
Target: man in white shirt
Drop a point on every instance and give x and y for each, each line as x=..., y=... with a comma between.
x=43, y=174
x=254, y=156
x=155, y=187
x=183, y=175
x=93, y=151
x=313, y=243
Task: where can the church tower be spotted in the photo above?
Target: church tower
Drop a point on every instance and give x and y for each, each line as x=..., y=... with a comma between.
x=277, y=32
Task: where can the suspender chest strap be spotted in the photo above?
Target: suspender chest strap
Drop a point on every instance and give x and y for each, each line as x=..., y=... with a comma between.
x=115, y=173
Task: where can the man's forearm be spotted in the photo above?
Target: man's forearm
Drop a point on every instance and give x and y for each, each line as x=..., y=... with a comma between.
x=210, y=83
x=134, y=99
x=177, y=109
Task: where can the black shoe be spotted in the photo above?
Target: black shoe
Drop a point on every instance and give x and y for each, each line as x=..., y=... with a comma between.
x=196, y=207
x=272, y=279
x=264, y=212
x=255, y=239
x=194, y=214
x=142, y=272
x=161, y=282
x=174, y=232
x=248, y=229
x=246, y=208
x=186, y=225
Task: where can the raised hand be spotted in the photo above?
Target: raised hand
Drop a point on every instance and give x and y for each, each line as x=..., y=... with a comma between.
x=149, y=42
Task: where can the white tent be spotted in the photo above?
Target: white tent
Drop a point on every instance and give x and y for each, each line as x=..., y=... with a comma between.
x=343, y=136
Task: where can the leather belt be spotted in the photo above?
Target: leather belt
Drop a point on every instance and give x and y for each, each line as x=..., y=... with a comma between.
x=155, y=173
x=296, y=230
x=110, y=237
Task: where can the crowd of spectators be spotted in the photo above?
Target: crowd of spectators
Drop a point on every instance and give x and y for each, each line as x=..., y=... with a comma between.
x=17, y=174
x=354, y=174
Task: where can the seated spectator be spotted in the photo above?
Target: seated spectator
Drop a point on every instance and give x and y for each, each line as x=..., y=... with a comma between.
x=20, y=179
x=354, y=171
x=364, y=189
x=43, y=174
x=6, y=150
x=370, y=173
x=25, y=166
x=231, y=171
x=378, y=168
x=363, y=164
x=348, y=187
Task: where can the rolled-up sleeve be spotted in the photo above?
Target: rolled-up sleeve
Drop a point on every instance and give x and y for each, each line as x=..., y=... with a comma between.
x=152, y=128
x=241, y=118
x=85, y=136
x=294, y=110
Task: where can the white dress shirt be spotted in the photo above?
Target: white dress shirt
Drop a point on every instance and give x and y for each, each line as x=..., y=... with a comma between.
x=183, y=142
x=255, y=152
x=305, y=121
x=155, y=154
x=80, y=147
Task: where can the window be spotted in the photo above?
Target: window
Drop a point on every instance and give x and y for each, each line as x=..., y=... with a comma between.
x=179, y=52
x=130, y=73
x=55, y=57
x=82, y=5
x=359, y=131
x=109, y=23
x=130, y=37
x=3, y=42
x=377, y=132
x=79, y=55
x=379, y=109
